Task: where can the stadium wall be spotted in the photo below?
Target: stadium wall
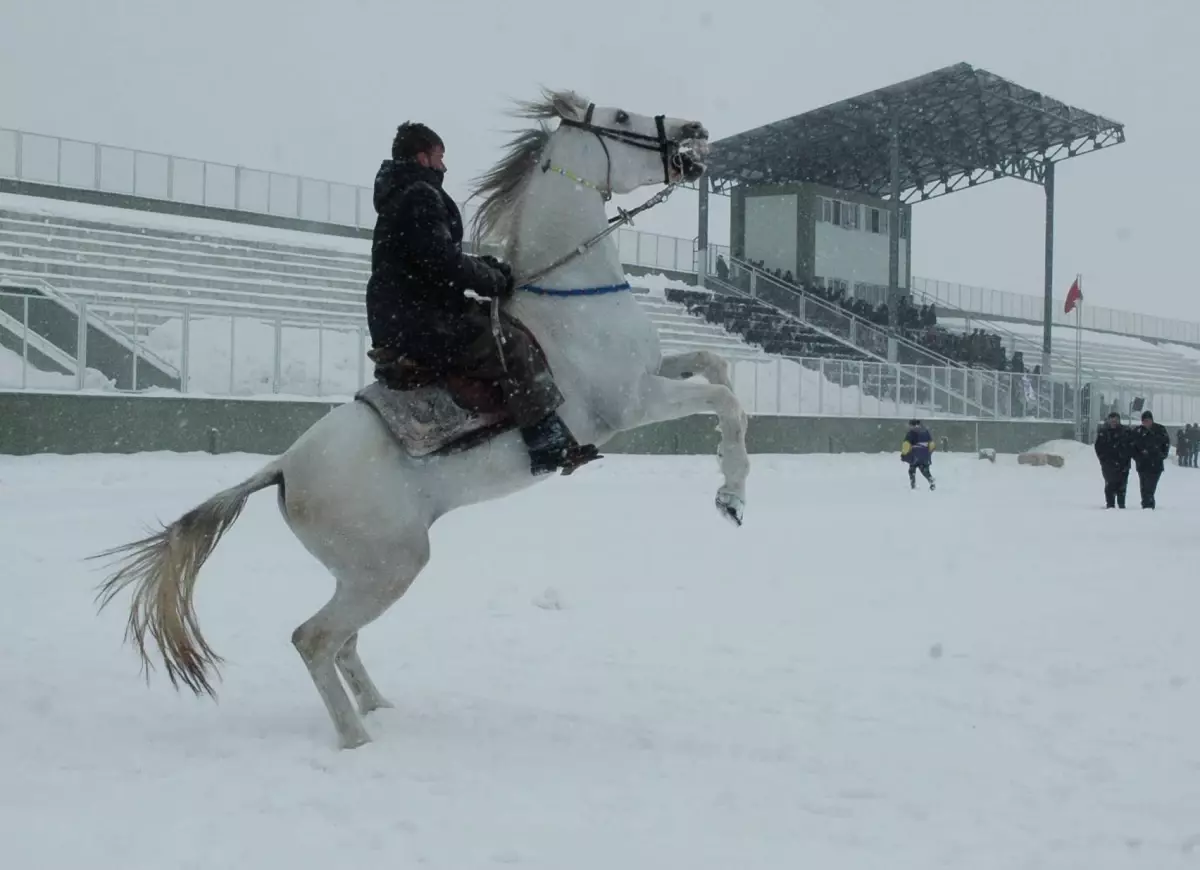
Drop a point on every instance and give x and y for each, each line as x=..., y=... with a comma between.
x=33, y=423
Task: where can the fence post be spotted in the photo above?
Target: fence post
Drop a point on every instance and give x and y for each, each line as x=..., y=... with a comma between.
x=81, y=344
x=277, y=363
x=862, y=386
x=24, y=342
x=185, y=346
x=820, y=379
x=133, y=373
x=800, y=386
x=778, y=387
x=320, y=359
x=232, y=350
x=754, y=408
x=362, y=358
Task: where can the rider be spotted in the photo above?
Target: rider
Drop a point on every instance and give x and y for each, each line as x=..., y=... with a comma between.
x=418, y=304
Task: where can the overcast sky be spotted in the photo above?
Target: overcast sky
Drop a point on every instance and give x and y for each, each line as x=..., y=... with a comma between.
x=316, y=87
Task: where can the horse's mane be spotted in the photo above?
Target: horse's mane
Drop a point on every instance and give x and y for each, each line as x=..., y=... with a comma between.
x=501, y=186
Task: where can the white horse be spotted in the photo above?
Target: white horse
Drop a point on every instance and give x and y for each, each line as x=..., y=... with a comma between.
x=363, y=505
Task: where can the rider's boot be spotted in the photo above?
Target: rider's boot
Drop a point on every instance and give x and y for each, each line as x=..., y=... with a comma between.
x=553, y=447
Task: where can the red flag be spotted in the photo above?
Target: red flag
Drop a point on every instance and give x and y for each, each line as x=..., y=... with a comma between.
x=1074, y=296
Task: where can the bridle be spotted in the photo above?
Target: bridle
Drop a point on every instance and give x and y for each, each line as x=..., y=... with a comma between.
x=667, y=148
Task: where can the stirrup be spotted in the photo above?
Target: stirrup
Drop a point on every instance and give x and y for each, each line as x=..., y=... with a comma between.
x=579, y=456
x=565, y=460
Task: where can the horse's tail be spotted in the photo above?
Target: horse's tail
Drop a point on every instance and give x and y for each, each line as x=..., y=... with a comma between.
x=162, y=568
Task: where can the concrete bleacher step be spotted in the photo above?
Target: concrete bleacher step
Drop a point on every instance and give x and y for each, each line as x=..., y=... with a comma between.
x=138, y=278
x=22, y=247
x=173, y=278
x=154, y=293
x=150, y=245
x=81, y=228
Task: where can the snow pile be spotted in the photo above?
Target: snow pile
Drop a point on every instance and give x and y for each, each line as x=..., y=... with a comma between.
x=788, y=388
x=36, y=379
x=656, y=283
x=1065, y=448
x=313, y=362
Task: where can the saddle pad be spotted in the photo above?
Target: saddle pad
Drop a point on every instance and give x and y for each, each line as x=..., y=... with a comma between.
x=423, y=420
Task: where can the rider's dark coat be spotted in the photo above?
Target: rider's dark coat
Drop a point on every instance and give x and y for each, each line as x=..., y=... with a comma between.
x=415, y=296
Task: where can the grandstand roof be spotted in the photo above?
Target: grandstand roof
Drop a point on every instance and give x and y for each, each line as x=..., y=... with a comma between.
x=958, y=127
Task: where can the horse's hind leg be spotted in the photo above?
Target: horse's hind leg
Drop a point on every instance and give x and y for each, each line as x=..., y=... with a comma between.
x=367, y=585
x=369, y=698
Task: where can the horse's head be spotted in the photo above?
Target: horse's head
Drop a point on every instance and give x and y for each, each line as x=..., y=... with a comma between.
x=609, y=149
x=622, y=150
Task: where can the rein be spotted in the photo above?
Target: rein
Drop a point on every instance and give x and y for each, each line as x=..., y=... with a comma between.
x=623, y=217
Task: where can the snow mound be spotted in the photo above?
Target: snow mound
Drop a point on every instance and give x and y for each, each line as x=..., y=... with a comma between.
x=657, y=284
x=1063, y=447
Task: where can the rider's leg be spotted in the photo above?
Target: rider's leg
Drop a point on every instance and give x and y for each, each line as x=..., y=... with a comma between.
x=532, y=399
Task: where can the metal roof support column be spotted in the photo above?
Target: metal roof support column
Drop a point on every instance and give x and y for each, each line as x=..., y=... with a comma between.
x=894, y=225
x=1048, y=302
x=702, y=235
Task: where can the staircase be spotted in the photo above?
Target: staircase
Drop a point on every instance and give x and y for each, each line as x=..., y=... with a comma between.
x=945, y=385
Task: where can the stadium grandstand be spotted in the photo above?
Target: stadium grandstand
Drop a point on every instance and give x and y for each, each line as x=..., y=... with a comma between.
x=126, y=270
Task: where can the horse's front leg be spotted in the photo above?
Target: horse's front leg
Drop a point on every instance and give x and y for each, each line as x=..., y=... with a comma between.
x=663, y=399
x=710, y=366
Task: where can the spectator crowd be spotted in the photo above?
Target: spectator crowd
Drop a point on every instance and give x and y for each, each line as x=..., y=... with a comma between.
x=917, y=323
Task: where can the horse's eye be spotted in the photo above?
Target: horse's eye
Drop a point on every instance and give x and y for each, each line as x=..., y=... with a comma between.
x=622, y=116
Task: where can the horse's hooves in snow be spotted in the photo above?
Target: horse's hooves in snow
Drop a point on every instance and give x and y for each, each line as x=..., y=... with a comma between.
x=731, y=507
x=354, y=741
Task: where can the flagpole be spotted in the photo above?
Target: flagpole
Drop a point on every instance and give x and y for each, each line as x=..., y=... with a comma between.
x=1079, y=410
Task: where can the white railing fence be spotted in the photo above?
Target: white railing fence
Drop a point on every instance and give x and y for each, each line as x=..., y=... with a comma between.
x=83, y=165
x=204, y=350
x=1024, y=307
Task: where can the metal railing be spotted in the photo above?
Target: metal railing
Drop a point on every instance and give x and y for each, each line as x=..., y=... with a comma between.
x=1063, y=365
x=964, y=390
x=296, y=353
x=75, y=163
x=84, y=165
x=1019, y=306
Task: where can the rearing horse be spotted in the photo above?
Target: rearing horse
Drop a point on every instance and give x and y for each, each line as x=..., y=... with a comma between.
x=362, y=499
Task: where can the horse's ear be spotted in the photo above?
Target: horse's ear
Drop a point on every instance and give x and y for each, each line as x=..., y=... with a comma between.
x=569, y=105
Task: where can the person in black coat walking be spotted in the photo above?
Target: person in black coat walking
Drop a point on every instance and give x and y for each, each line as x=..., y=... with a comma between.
x=1114, y=449
x=419, y=310
x=1151, y=447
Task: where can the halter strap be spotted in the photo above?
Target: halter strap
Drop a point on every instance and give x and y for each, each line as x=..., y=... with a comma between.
x=547, y=166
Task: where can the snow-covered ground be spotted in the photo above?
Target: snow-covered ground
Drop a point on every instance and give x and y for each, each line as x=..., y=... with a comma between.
x=599, y=673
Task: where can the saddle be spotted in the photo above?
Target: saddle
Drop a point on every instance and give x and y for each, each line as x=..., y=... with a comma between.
x=440, y=409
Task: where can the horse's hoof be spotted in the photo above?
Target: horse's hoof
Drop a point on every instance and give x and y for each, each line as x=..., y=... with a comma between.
x=373, y=704
x=731, y=506
x=354, y=741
